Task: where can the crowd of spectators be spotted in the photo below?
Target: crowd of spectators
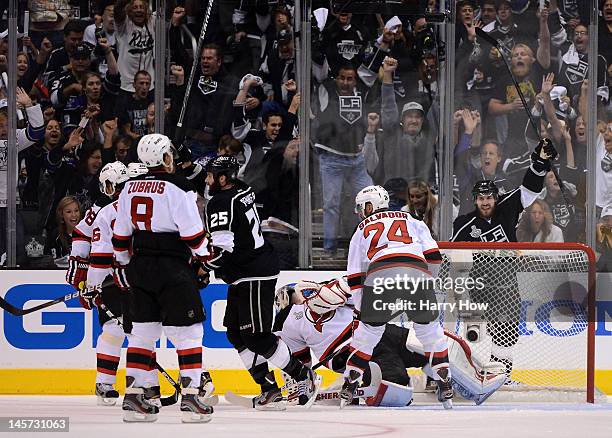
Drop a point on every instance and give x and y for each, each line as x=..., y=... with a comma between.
x=88, y=68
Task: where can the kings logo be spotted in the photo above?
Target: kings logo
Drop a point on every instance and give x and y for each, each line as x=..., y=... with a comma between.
x=350, y=108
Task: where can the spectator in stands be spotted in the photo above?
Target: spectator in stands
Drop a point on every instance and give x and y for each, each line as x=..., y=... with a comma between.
x=604, y=40
x=488, y=12
x=60, y=57
x=338, y=131
x=536, y=224
x=408, y=148
x=135, y=26
x=106, y=30
x=396, y=188
x=423, y=204
x=132, y=115
x=278, y=69
x=575, y=67
x=27, y=71
x=563, y=210
x=67, y=216
x=48, y=18
x=603, y=171
x=34, y=131
x=81, y=181
x=212, y=93
x=604, y=240
x=344, y=41
x=281, y=203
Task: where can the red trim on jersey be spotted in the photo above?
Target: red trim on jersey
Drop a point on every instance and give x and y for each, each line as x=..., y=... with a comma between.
x=140, y=366
x=398, y=265
x=187, y=351
x=360, y=354
x=192, y=237
x=433, y=256
x=346, y=334
x=399, y=254
x=438, y=354
x=107, y=357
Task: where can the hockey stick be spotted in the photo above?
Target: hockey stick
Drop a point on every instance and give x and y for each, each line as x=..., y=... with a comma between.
x=179, y=134
x=488, y=38
x=20, y=312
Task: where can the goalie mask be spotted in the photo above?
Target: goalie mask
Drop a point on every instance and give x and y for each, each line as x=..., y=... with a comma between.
x=321, y=299
x=377, y=196
x=112, y=177
x=225, y=165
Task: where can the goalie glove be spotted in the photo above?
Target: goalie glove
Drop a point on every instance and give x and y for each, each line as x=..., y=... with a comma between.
x=77, y=272
x=90, y=297
x=543, y=156
x=120, y=277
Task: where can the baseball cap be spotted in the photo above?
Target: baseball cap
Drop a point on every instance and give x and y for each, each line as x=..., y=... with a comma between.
x=606, y=211
x=413, y=106
x=81, y=51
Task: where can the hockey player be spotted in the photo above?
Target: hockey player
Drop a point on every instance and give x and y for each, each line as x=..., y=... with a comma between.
x=384, y=241
x=91, y=259
x=318, y=318
x=247, y=262
x=494, y=220
x=157, y=232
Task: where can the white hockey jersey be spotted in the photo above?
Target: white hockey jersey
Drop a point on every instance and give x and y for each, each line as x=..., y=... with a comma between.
x=304, y=331
x=101, y=255
x=81, y=235
x=159, y=203
x=393, y=237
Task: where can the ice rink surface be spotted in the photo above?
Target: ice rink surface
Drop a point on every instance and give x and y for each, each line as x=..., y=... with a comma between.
x=490, y=420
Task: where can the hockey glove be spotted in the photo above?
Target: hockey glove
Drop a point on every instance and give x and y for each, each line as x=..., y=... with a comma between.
x=202, y=274
x=120, y=277
x=91, y=297
x=77, y=272
x=542, y=157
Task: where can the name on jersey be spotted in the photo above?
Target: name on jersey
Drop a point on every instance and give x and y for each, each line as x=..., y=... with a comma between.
x=383, y=215
x=248, y=199
x=147, y=187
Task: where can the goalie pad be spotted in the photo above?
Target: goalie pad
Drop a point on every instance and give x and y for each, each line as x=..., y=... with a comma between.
x=391, y=394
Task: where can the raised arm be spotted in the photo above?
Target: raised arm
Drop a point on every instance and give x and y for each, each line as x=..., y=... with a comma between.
x=543, y=53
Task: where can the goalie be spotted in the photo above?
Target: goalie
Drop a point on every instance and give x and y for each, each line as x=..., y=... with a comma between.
x=319, y=318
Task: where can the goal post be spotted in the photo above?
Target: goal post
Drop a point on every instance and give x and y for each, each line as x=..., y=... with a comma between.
x=540, y=310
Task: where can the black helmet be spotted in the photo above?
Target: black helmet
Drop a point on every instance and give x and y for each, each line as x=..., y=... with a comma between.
x=485, y=187
x=226, y=165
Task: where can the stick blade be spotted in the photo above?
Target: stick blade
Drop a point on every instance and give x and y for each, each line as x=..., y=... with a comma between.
x=10, y=308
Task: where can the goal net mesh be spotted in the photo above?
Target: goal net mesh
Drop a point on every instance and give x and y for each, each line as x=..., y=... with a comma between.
x=524, y=308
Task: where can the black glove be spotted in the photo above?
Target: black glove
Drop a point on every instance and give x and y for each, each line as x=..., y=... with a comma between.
x=202, y=279
x=543, y=164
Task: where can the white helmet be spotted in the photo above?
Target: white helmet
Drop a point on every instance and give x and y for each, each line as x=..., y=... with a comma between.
x=112, y=174
x=376, y=195
x=137, y=169
x=327, y=297
x=152, y=148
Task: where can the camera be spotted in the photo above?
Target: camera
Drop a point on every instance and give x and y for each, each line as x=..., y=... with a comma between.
x=472, y=332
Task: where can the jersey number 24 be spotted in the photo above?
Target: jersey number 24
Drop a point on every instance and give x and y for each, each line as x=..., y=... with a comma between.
x=398, y=232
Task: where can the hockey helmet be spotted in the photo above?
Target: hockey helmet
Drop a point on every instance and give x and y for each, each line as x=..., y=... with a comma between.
x=111, y=176
x=224, y=165
x=375, y=195
x=485, y=187
x=282, y=296
x=137, y=169
x=325, y=298
x=152, y=148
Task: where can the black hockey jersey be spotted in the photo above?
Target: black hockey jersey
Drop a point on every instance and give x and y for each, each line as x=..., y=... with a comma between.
x=241, y=252
x=502, y=225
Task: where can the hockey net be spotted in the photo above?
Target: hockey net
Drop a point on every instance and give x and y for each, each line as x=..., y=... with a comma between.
x=539, y=317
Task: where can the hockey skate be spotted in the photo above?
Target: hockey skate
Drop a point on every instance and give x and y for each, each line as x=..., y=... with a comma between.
x=206, y=389
x=271, y=400
x=193, y=409
x=306, y=390
x=106, y=395
x=347, y=393
x=153, y=395
x=136, y=407
x=445, y=391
